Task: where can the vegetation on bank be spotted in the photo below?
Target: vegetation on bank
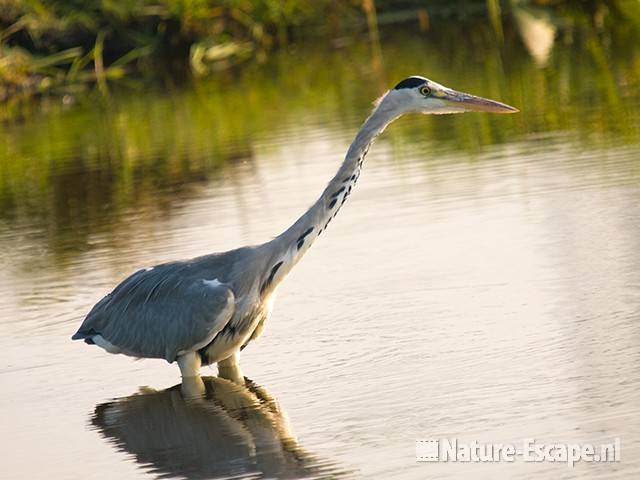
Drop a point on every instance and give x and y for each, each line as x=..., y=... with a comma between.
x=74, y=169
x=79, y=162
x=47, y=44
x=61, y=46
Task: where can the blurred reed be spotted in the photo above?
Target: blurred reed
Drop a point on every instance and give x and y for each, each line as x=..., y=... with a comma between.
x=54, y=46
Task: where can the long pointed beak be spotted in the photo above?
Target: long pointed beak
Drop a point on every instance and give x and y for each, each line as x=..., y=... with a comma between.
x=476, y=104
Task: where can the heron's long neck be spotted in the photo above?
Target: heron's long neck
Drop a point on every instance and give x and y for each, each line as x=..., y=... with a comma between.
x=292, y=244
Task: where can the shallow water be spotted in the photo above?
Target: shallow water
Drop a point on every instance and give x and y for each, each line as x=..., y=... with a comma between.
x=482, y=283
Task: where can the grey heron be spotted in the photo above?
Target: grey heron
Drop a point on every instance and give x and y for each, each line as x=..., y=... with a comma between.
x=207, y=309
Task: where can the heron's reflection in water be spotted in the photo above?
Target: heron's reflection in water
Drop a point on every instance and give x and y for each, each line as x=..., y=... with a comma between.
x=209, y=427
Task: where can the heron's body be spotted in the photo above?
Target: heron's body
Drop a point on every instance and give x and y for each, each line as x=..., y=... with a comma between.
x=214, y=311
x=205, y=310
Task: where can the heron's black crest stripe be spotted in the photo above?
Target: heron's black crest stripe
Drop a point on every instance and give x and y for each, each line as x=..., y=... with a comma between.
x=410, y=82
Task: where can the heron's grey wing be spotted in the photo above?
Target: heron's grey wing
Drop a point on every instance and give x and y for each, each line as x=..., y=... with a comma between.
x=160, y=312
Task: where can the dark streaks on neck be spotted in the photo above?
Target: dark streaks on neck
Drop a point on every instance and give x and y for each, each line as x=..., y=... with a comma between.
x=269, y=280
x=301, y=238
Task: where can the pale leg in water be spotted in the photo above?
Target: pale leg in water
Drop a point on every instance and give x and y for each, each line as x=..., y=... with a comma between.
x=229, y=368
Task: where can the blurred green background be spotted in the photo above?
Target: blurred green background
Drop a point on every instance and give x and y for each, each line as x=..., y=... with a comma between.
x=110, y=104
x=60, y=46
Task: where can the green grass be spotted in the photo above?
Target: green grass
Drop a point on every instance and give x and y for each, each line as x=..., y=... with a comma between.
x=52, y=45
x=61, y=46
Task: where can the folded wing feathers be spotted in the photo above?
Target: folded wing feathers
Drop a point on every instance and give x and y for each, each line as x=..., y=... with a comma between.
x=159, y=312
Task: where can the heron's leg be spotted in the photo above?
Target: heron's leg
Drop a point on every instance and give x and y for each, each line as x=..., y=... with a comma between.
x=229, y=368
x=189, y=364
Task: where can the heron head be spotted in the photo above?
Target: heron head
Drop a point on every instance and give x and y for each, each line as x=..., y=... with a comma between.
x=419, y=94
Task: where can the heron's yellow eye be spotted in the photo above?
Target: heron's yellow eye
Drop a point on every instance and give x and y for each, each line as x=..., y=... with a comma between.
x=424, y=90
